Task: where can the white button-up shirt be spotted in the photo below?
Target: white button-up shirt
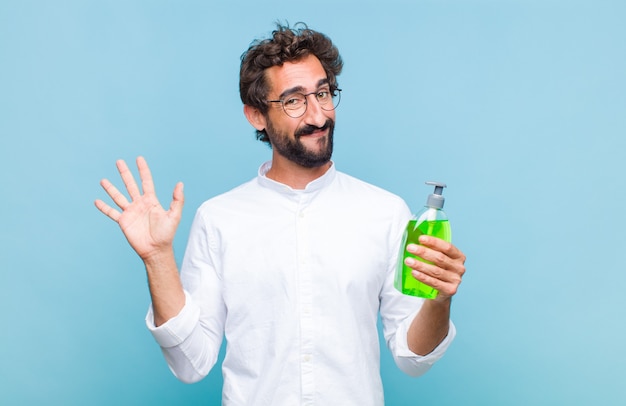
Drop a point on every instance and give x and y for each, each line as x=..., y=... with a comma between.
x=295, y=280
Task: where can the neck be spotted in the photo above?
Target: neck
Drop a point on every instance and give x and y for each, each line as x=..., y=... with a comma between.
x=294, y=175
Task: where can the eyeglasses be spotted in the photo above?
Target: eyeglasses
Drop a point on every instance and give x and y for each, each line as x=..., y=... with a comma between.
x=295, y=104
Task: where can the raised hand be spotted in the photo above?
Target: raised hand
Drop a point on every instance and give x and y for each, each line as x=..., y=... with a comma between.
x=148, y=227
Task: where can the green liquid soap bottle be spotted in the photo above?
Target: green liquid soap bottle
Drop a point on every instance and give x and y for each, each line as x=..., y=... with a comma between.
x=431, y=220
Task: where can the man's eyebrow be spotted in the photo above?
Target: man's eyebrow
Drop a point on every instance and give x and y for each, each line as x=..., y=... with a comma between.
x=301, y=89
x=322, y=82
x=291, y=90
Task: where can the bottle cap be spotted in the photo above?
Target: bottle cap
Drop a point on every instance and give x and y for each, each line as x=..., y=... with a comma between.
x=436, y=200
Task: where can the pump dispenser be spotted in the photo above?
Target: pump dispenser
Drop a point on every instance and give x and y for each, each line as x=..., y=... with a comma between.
x=433, y=221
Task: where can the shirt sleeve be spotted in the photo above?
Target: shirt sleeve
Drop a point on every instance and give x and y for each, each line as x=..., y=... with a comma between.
x=411, y=363
x=191, y=340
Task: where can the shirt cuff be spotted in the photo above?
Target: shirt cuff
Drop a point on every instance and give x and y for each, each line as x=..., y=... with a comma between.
x=402, y=345
x=178, y=328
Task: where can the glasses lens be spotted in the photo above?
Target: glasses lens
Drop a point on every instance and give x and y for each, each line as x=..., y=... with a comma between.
x=330, y=100
x=294, y=105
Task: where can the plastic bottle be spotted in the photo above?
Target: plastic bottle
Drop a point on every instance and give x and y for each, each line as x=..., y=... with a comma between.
x=431, y=220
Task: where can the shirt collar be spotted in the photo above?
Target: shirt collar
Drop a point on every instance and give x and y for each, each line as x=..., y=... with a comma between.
x=313, y=186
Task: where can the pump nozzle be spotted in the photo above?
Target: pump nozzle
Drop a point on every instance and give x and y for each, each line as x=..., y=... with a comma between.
x=436, y=199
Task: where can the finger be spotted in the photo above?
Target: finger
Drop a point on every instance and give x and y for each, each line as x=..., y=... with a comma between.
x=447, y=288
x=434, y=271
x=442, y=246
x=129, y=179
x=147, y=184
x=109, y=211
x=436, y=257
x=115, y=194
x=178, y=200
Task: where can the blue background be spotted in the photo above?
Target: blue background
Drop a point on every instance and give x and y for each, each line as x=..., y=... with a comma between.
x=519, y=106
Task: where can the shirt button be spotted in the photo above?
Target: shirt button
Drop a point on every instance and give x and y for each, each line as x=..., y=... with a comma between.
x=306, y=358
x=301, y=214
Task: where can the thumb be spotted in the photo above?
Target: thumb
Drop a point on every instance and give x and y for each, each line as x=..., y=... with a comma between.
x=178, y=200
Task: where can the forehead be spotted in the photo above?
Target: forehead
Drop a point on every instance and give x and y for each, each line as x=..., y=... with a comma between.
x=302, y=75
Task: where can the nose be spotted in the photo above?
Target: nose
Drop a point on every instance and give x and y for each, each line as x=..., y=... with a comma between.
x=314, y=114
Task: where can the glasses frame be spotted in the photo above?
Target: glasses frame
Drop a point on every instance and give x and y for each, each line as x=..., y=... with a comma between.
x=306, y=103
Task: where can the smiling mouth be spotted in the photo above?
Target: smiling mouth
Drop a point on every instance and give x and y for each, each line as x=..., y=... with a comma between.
x=317, y=133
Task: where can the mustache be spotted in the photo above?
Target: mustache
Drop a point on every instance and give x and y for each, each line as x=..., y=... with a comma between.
x=310, y=129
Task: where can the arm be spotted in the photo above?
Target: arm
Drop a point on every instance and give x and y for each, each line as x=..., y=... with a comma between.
x=430, y=325
x=191, y=341
x=150, y=231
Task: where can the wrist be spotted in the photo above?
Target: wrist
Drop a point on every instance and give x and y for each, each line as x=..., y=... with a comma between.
x=440, y=302
x=158, y=258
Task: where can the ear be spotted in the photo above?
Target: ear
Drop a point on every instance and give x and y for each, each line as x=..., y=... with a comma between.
x=255, y=117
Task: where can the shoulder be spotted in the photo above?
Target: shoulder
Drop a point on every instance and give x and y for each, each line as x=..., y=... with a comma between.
x=231, y=200
x=361, y=189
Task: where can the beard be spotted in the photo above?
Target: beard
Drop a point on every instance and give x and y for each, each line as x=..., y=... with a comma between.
x=295, y=151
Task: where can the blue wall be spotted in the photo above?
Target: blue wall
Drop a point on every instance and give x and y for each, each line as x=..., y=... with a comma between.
x=520, y=106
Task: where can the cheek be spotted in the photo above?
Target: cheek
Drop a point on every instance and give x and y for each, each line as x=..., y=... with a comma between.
x=287, y=125
x=283, y=125
x=330, y=115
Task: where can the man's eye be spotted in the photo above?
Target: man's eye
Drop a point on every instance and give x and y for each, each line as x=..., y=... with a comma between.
x=323, y=95
x=293, y=101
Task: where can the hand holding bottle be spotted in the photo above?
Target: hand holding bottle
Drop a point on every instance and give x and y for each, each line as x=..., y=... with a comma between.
x=444, y=269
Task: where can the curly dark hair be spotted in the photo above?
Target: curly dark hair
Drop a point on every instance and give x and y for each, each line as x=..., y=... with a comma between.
x=285, y=45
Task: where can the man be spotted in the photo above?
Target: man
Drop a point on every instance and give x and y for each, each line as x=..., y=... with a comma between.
x=294, y=266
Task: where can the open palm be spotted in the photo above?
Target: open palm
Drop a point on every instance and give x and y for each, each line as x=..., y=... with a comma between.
x=148, y=227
